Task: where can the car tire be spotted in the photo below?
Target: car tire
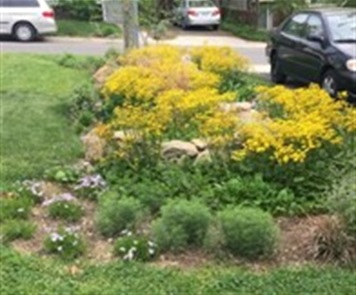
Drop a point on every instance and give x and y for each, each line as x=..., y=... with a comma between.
x=24, y=32
x=215, y=27
x=329, y=84
x=277, y=75
x=184, y=25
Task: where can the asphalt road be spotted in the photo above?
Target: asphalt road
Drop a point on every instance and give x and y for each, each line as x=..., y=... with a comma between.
x=59, y=45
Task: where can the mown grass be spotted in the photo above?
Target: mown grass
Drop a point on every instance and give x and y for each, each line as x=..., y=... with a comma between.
x=35, y=133
x=244, y=31
x=76, y=28
x=31, y=275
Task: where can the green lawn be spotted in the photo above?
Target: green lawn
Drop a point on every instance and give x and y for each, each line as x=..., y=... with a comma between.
x=35, y=132
x=244, y=31
x=76, y=28
x=31, y=275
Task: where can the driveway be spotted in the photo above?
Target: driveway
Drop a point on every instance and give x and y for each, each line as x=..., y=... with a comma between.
x=254, y=51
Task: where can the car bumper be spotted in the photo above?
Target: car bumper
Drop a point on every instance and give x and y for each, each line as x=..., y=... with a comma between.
x=46, y=27
x=203, y=22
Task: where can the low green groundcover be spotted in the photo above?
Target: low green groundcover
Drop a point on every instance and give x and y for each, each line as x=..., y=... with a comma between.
x=30, y=275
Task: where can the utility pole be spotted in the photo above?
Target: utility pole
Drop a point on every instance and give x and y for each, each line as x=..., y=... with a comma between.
x=130, y=23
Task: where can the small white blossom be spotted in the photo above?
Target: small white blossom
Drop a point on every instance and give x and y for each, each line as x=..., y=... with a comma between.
x=129, y=256
x=135, y=242
x=56, y=237
x=151, y=251
x=122, y=249
x=60, y=248
x=151, y=244
x=20, y=210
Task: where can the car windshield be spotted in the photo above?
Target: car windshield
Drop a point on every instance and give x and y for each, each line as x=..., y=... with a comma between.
x=343, y=27
x=202, y=3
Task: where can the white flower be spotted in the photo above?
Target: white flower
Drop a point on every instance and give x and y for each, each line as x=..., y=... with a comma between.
x=151, y=244
x=151, y=251
x=60, y=248
x=129, y=256
x=135, y=242
x=56, y=237
x=75, y=243
x=122, y=249
x=21, y=210
x=129, y=234
x=124, y=232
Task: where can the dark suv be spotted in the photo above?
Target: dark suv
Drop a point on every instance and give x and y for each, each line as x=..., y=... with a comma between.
x=316, y=46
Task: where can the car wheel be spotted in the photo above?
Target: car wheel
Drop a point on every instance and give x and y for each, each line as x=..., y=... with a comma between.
x=184, y=25
x=215, y=27
x=24, y=32
x=277, y=75
x=329, y=84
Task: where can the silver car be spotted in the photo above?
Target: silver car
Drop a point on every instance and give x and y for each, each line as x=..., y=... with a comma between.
x=197, y=13
x=26, y=19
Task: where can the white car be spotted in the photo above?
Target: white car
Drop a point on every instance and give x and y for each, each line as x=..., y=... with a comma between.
x=26, y=19
x=197, y=13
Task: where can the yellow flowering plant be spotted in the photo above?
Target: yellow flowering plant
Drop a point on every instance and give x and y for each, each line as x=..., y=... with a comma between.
x=165, y=93
x=297, y=122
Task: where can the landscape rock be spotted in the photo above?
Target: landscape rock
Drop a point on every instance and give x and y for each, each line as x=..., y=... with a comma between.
x=177, y=149
x=237, y=106
x=94, y=146
x=200, y=144
x=203, y=157
x=102, y=74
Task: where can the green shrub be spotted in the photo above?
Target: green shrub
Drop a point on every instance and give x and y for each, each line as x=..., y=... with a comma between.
x=15, y=208
x=253, y=192
x=65, y=243
x=183, y=224
x=71, y=61
x=135, y=248
x=116, y=214
x=62, y=174
x=16, y=229
x=65, y=210
x=342, y=201
x=85, y=10
x=248, y=233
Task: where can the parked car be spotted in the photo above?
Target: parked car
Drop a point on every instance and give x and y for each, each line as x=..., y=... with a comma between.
x=197, y=13
x=319, y=46
x=26, y=19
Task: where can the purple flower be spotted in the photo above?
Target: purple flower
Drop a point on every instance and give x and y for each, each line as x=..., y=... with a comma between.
x=91, y=181
x=66, y=197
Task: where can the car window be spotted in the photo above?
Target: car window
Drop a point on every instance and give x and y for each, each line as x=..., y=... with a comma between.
x=19, y=3
x=314, y=26
x=296, y=26
x=201, y=3
x=342, y=27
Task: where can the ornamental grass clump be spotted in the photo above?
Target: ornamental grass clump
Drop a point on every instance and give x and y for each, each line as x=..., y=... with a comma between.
x=115, y=214
x=64, y=207
x=248, y=233
x=183, y=224
x=342, y=202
